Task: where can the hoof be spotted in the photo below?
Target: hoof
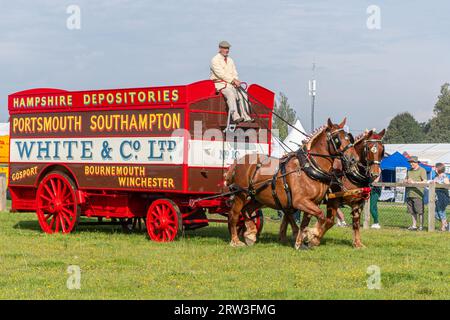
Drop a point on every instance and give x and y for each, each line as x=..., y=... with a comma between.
x=358, y=246
x=302, y=246
x=250, y=238
x=237, y=244
x=249, y=241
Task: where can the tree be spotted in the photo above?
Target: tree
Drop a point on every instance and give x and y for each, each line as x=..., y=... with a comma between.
x=403, y=128
x=285, y=111
x=439, y=125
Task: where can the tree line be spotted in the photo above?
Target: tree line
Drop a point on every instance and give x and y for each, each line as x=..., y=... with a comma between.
x=404, y=128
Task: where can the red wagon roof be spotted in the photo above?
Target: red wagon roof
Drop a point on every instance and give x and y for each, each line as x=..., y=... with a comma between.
x=53, y=100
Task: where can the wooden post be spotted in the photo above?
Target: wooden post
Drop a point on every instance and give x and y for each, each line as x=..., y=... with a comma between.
x=431, y=205
x=366, y=214
x=2, y=192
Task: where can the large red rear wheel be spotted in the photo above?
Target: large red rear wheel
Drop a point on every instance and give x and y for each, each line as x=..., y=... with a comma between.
x=56, y=204
x=164, y=222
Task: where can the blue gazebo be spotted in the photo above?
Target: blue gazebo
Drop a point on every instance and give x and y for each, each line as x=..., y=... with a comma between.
x=388, y=165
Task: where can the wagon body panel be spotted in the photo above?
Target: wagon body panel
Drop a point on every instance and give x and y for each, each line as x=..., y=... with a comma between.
x=124, y=148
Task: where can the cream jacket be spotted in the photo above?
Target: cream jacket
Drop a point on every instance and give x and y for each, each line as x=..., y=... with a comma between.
x=221, y=70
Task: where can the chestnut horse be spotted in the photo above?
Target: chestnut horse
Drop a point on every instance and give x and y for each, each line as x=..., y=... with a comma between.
x=370, y=150
x=298, y=181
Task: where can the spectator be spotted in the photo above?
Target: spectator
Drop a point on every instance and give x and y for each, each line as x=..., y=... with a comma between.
x=442, y=198
x=374, y=196
x=414, y=195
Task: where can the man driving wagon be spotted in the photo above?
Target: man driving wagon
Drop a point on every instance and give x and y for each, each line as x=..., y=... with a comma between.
x=226, y=80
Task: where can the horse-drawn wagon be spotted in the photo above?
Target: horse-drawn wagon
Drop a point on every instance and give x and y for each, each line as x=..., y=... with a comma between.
x=128, y=155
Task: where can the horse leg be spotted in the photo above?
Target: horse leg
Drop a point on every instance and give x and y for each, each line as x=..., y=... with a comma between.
x=304, y=236
x=294, y=226
x=233, y=220
x=288, y=218
x=250, y=227
x=301, y=233
x=283, y=229
x=329, y=222
x=356, y=214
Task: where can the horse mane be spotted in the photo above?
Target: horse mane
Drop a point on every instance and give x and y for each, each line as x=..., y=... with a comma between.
x=377, y=136
x=312, y=136
x=360, y=137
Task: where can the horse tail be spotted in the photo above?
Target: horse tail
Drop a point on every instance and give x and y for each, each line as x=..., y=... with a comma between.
x=229, y=174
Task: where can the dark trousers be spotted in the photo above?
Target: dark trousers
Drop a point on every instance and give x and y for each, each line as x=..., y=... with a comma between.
x=374, y=196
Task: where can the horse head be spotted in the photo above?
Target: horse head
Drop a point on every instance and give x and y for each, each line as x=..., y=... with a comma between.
x=340, y=143
x=373, y=153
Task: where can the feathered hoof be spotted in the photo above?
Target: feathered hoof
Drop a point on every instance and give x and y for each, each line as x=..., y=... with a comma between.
x=302, y=246
x=237, y=244
x=250, y=239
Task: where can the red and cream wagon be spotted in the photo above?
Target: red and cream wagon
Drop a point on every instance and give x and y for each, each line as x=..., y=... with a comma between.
x=128, y=154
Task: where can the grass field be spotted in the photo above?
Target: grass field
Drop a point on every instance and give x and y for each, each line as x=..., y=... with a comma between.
x=201, y=265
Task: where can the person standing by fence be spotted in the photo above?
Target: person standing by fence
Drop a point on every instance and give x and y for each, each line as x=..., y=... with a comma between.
x=442, y=197
x=374, y=196
x=414, y=195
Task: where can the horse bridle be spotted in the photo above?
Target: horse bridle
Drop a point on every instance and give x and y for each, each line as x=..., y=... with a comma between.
x=336, y=142
x=361, y=176
x=373, y=149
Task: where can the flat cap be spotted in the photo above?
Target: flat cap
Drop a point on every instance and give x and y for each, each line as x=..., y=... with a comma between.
x=413, y=159
x=224, y=44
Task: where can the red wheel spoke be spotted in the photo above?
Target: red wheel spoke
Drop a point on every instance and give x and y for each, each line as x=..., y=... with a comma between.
x=57, y=223
x=66, y=217
x=58, y=188
x=52, y=222
x=63, y=226
x=68, y=204
x=70, y=213
x=53, y=187
x=46, y=198
x=47, y=188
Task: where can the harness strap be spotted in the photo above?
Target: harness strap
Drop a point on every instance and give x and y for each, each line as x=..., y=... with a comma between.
x=274, y=192
x=286, y=187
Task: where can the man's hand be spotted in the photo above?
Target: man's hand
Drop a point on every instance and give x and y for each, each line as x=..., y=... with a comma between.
x=236, y=83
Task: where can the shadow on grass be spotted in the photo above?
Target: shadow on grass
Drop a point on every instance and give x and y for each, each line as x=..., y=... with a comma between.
x=210, y=232
x=108, y=229
x=221, y=232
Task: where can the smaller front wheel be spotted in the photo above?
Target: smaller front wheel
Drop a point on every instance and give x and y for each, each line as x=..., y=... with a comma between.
x=164, y=222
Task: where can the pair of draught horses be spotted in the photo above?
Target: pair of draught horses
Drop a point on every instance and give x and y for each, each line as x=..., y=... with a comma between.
x=329, y=160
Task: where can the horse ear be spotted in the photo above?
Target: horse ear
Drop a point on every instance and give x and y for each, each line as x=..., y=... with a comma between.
x=342, y=124
x=382, y=133
x=330, y=124
x=369, y=133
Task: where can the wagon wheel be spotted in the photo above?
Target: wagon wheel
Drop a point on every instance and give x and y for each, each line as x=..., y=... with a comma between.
x=56, y=204
x=164, y=221
x=133, y=224
x=257, y=217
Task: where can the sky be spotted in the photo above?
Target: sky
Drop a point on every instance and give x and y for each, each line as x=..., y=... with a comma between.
x=367, y=75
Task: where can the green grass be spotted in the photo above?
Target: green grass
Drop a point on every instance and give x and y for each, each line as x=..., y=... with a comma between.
x=202, y=265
